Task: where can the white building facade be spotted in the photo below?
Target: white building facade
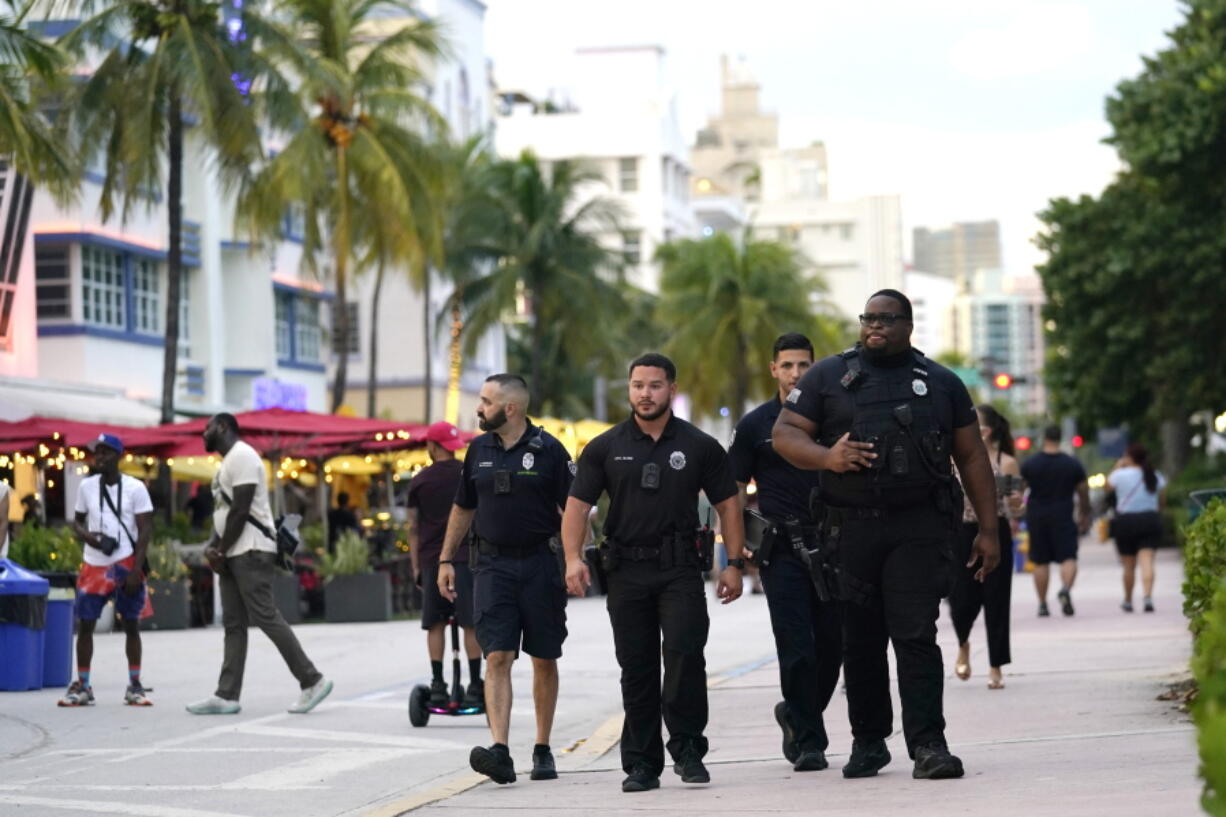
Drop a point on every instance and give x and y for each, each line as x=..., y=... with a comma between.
x=998, y=323
x=621, y=120
x=85, y=305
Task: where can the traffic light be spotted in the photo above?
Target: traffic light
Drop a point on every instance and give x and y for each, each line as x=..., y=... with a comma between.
x=1078, y=441
x=1022, y=443
x=1002, y=381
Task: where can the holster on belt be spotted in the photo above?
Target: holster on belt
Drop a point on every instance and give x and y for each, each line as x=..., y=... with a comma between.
x=759, y=537
x=610, y=559
x=559, y=555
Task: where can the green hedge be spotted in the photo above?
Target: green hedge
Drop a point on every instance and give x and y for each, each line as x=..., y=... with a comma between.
x=46, y=548
x=1204, y=604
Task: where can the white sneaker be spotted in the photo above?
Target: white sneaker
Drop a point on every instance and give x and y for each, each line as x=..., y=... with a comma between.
x=311, y=696
x=214, y=706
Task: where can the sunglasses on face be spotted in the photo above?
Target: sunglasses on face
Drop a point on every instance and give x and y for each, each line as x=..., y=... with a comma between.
x=883, y=318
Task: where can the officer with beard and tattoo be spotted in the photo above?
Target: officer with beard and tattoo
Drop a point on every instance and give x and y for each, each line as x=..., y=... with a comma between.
x=881, y=422
x=512, y=490
x=804, y=613
x=653, y=466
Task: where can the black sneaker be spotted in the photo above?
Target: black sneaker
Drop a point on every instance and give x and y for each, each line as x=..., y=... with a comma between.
x=691, y=770
x=475, y=694
x=439, y=696
x=1066, y=601
x=867, y=758
x=1126, y=606
x=790, y=750
x=1149, y=605
x=1043, y=611
x=640, y=779
x=543, y=767
x=811, y=760
x=934, y=762
x=494, y=762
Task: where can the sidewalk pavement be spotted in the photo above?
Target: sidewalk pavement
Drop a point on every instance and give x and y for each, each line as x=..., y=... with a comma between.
x=1077, y=731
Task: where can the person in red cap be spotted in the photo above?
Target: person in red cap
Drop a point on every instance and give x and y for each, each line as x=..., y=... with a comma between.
x=113, y=520
x=431, y=494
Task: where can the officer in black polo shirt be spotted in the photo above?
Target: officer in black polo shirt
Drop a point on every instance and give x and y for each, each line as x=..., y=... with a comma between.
x=881, y=422
x=515, y=481
x=653, y=466
x=805, y=625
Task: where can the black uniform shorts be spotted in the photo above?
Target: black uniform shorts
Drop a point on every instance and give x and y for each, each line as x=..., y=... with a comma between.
x=520, y=602
x=1053, y=537
x=1136, y=531
x=435, y=609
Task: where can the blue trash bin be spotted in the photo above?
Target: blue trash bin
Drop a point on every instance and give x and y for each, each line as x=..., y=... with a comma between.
x=57, y=637
x=23, y=620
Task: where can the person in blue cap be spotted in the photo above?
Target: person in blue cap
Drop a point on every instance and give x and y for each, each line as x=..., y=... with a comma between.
x=114, y=520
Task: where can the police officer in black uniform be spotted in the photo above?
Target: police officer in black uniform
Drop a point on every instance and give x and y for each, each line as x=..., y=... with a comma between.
x=653, y=466
x=881, y=422
x=515, y=481
x=804, y=615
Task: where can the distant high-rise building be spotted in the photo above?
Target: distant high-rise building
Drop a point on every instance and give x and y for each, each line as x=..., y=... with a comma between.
x=958, y=251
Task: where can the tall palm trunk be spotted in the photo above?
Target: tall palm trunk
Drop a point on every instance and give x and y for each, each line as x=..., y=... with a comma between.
x=342, y=260
x=372, y=372
x=740, y=388
x=427, y=345
x=174, y=261
x=455, y=357
x=174, y=276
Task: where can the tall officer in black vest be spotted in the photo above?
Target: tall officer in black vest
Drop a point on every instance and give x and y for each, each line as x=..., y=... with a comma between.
x=806, y=625
x=881, y=422
x=515, y=481
x=653, y=466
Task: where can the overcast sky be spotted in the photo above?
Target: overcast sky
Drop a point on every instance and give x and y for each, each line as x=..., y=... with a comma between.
x=970, y=109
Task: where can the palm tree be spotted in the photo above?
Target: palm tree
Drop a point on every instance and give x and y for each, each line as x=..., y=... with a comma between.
x=551, y=268
x=726, y=302
x=354, y=124
x=26, y=65
x=163, y=62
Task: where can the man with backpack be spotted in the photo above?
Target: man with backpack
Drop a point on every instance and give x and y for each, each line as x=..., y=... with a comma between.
x=243, y=552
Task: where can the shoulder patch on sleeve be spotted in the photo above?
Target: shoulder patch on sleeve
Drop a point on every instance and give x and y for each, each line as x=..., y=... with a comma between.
x=794, y=396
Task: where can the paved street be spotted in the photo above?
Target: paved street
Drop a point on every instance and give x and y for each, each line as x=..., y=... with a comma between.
x=1077, y=731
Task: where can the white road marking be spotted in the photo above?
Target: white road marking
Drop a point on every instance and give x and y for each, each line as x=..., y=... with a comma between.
x=312, y=771
x=103, y=807
x=402, y=741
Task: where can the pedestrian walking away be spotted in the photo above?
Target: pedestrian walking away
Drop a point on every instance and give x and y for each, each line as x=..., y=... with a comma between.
x=994, y=593
x=512, y=489
x=653, y=467
x=243, y=553
x=881, y=421
x=431, y=494
x=806, y=626
x=113, y=520
x=1053, y=478
x=1140, y=498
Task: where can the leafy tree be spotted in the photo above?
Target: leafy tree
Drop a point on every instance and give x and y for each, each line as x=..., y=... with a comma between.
x=164, y=63
x=1133, y=276
x=356, y=128
x=724, y=302
x=27, y=64
x=552, y=283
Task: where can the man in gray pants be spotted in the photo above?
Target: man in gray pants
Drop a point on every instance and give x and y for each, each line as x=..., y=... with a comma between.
x=243, y=553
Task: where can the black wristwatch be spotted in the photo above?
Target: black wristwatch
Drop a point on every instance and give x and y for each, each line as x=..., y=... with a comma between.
x=738, y=563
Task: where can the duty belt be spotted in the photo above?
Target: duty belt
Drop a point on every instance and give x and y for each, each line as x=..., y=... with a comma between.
x=638, y=554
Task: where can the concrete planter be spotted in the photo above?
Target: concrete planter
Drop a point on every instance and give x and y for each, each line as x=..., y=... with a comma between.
x=361, y=597
x=171, y=605
x=288, y=596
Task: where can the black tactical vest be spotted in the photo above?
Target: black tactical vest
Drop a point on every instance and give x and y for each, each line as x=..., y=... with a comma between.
x=894, y=411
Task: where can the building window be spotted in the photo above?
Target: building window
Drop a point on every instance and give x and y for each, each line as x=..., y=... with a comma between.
x=628, y=174
x=847, y=231
x=306, y=329
x=351, y=344
x=632, y=247
x=53, y=280
x=293, y=223
x=285, y=312
x=102, y=288
x=146, y=302
x=185, y=327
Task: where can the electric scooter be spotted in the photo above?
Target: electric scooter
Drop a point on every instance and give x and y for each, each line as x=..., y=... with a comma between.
x=420, y=709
